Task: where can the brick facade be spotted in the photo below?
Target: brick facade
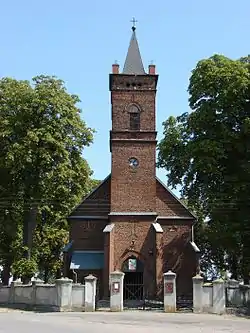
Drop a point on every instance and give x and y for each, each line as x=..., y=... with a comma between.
x=131, y=200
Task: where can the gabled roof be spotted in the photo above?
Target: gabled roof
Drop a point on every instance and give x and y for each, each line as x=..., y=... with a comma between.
x=96, y=205
x=176, y=198
x=90, y=206
x=133, y=63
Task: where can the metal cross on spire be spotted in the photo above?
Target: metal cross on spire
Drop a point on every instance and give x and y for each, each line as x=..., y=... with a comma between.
x=134, y=21
x=133, y=63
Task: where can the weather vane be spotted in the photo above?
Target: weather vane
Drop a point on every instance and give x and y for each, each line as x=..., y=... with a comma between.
x=134, y=23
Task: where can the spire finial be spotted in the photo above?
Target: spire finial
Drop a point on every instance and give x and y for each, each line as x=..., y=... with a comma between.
x=134, y=23
x=133, y=64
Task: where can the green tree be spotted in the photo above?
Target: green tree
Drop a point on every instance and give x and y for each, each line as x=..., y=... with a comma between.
x=10, y=240
x=207, y=152
x=42, y=139
x=211, y=256
x=93, y=184
x=49, y=240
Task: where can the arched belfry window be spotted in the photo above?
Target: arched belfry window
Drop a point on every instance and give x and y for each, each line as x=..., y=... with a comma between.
x=134, y=117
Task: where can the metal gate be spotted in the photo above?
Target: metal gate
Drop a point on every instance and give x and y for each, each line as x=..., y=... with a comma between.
x=133, y=290
x=136, y=296
x=184, y=302
x=135, y=293
x=133, y=286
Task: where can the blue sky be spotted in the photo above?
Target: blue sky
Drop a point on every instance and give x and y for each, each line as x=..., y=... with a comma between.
x=79, y=40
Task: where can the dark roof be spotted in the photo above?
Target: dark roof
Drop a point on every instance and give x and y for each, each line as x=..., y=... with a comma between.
x=133, y=64
x=176, y=198
x=97, y=205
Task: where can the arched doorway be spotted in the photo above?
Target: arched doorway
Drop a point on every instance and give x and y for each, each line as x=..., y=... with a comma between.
x=133, y=279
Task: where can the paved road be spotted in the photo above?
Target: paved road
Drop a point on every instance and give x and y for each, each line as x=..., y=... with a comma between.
x=134, y=322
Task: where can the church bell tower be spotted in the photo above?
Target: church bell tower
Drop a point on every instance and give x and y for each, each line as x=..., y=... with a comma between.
x=133, y=135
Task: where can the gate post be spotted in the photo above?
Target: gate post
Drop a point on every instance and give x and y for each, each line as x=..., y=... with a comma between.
x=197, y=294
x=169, y=292
x=64, y=294
x=116, y=291
x=90, y=293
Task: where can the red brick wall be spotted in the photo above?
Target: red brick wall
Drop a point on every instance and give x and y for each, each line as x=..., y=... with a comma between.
x=143, y=234
x=87, y=235
x=109, y=251
x=169, y=251
x=128, y=186
x=142, y=96
x=133, y=190
x=167, y=205
x=178, y=253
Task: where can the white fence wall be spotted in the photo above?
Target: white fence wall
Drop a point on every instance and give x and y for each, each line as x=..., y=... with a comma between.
x=61, y=296
x=23, y=294
x=219, y=296
x=45, y=295
x=4, y=294
x=78, y=296
x=207, y=297
x=237, y=295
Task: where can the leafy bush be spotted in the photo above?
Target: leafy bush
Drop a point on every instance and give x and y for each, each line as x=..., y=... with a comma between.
x=25, y=268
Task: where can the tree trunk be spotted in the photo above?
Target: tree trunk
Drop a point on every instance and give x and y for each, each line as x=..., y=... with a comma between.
x=46, y=275
x=29, y=225
x=58, y=273
x=25, y=280
x=6, y=274
x=234, y=267
x=26, y=240
x=245, y=259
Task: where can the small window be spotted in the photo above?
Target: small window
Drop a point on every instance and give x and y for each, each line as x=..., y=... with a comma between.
x=134, y=117
x=134, y=121
x=133, y=108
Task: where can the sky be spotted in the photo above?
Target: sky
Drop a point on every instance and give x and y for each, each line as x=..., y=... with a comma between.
x=78, y=41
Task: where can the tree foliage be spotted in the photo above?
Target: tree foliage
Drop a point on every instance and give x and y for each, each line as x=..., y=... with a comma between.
x=25, y=267
x=42, y=166
x=207, y=152
x=49, y=240
x=93, y=184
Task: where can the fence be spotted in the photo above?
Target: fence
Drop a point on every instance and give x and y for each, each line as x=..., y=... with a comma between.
x=237, y=297
x=61, y=296
x=219, y=296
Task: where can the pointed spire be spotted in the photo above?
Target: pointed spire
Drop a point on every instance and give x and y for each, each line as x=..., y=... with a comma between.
x=133, y=63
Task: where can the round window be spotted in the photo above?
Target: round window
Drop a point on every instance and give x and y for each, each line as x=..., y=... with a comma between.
x=133, y=162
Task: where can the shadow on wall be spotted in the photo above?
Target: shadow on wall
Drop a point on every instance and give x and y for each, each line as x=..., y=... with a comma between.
x=148, y=251
x=178, y=256
x=181, y=259
x=146, y=254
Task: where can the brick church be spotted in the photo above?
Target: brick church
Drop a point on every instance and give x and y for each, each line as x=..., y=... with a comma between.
x=132, y=222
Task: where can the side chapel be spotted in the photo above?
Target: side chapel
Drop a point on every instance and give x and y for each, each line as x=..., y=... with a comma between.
x=132, y=222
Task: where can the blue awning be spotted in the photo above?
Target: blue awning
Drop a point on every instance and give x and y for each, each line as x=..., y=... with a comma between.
x=87, y=260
